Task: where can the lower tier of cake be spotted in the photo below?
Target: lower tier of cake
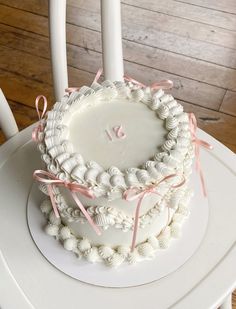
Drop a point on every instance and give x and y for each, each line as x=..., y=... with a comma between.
x=113, y=246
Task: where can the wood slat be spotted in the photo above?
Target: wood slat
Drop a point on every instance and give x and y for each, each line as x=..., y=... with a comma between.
x=132, y=31
x=188, y=11
x=207, y=11
x=39, y=7
x=29, y=66
x=228, y=6
x=38, y=69
x=23, y=20
x=154, y=23
x=133, y=52
x=219, y=125
x=24, y=90
x=21, y=89
x=229, y=103
x=182, y=87
x=22, y=40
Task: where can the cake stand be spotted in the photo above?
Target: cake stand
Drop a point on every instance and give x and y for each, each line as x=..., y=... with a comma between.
x=28, y=280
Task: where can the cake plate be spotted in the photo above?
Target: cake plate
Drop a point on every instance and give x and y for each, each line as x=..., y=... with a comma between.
x=28, y=280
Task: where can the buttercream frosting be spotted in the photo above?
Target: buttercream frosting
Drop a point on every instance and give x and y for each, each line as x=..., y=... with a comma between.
x=115, y=256
x=111, y=137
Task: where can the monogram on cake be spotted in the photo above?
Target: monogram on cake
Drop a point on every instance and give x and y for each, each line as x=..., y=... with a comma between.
x=118, y=157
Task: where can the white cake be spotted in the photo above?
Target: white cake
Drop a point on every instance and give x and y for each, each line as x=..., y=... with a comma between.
x=127, y=145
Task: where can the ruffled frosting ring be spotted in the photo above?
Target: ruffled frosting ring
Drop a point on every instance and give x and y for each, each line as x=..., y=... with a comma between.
x=58, y=154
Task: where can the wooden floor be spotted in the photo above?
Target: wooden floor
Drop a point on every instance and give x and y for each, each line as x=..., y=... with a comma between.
x=192, y=42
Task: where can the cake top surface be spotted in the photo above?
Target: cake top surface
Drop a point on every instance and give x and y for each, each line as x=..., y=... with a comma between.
x=115, y=135
x=118, y=132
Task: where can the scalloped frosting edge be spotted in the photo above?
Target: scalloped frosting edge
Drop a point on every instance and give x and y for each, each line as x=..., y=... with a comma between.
x=114, y=257
x=106, y=216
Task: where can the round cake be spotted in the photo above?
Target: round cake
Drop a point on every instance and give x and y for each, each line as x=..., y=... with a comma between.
x=119, y=157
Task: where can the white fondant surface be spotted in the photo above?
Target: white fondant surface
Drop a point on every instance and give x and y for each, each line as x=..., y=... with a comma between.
x=165, y=262
x=143, y=129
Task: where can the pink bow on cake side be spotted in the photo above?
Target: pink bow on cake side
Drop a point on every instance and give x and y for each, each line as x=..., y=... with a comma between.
x=135, y=193
x=50, y=180
x=198, y=143
x=39, y=128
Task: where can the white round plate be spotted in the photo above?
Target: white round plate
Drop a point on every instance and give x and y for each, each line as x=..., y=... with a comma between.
x=165, y=262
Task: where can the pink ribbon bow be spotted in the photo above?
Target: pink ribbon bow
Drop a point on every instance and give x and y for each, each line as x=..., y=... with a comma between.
x=135, y=193
x=163, y=84
x=50, y=180
x=39, y=128
x=198, y=142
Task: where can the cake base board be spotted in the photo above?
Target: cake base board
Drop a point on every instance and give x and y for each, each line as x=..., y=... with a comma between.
x=165, y=262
